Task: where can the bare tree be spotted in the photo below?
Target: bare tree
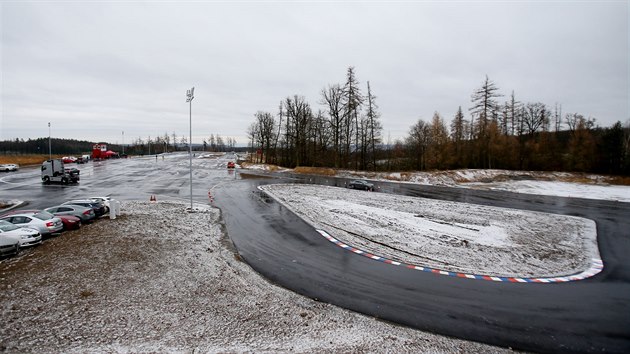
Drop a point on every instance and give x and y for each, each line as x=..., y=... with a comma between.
x=484, y=105
x=374, y=126
x=459, y=128
x=299, y=116
x=417, y=143
x=535, y=117
x=332, y=96
x=484, y=109
x=352, y=104
x=266, y=124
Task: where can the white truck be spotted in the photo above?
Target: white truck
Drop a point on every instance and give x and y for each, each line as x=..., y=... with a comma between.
x=54, y=171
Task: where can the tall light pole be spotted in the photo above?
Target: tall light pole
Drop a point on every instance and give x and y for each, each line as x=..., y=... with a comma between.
x=190, y=94
x=49, y=144
x=123, y=144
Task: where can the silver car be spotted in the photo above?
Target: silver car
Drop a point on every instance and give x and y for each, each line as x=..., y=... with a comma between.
x=84, y=213
x=26, y=236
x=43, y=221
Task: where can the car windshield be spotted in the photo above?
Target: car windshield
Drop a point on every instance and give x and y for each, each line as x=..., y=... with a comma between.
x=44, y=215
x=7, y=226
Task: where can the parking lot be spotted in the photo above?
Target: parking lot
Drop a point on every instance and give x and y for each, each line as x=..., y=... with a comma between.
x=122, y=179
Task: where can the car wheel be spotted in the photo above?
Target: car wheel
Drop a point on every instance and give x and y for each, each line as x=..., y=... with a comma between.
x=46, y=179
x=64, y=180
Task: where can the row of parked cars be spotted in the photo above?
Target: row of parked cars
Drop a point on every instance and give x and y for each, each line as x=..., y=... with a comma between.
x=28, y=227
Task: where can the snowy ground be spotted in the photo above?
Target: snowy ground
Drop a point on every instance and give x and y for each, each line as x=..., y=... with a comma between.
x=450, y=236
x=160, y=279
x=561, y=184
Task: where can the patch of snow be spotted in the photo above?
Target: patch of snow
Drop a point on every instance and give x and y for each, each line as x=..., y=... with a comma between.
x=445, y=235
x=529, y=182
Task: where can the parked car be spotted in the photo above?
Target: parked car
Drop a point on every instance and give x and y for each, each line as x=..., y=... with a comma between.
x=46, y=223
x=86, y=214
x=9, y=167
x=26, y=236
x=105, y=200
x=231, y=164
x=69, y=222
x=9, y=246
x=98, y=207
x=69, y=159
x=72, y=170
x=361, y=184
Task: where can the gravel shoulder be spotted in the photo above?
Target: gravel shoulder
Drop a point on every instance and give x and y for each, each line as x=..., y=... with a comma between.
x=160, y=279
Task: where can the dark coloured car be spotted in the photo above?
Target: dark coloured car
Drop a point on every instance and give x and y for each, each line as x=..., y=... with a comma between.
x=361, y=184
x=9, y=246
x=98, y=207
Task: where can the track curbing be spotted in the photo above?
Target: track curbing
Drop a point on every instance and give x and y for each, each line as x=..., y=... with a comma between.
x=597, y=265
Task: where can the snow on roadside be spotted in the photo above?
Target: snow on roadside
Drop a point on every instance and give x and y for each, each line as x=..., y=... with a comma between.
x=451, y=236
x=559, y=184
x=159, y=279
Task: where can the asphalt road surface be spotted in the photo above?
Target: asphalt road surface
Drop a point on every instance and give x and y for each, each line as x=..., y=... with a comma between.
x=591, y=315
x=167, y=176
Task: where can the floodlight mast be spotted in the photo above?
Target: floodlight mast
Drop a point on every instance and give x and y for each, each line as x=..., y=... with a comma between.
x=190, y=94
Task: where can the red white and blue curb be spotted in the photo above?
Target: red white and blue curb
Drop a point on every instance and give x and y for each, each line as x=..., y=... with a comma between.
x=596, y=266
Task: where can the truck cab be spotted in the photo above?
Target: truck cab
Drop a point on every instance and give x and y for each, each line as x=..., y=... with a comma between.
x=54, y=171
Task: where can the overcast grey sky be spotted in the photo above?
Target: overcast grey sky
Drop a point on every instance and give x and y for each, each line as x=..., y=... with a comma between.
x=95, y=70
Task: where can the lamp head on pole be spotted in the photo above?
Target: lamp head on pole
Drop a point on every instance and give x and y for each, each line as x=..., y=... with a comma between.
x=190, y=94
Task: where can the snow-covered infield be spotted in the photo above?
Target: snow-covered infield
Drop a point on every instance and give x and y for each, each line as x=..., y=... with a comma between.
x=448, y=238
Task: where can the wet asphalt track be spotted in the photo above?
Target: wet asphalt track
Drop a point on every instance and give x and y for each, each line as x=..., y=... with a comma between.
x=592, y=315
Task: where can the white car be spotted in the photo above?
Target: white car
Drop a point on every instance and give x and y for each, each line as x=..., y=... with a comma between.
x=9, y=167
x=105, y=200
x=44, y=222
x=26, y=236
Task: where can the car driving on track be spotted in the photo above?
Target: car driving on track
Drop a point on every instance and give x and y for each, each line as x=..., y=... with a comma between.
x=361, y=184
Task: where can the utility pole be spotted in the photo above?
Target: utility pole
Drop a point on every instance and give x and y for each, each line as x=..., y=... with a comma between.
x=190, y=94
x=49, y=144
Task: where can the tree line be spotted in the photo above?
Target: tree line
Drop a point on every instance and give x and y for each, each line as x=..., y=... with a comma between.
x=514, y=135
x=346, y=133
x=170, y=143
x=41, y=146
x=139, y=146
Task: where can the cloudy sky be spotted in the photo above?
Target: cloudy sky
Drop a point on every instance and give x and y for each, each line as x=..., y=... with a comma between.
x=97, y=69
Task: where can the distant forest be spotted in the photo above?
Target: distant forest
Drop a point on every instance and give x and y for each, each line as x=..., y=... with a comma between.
x=347, y=133
x=139, y=146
